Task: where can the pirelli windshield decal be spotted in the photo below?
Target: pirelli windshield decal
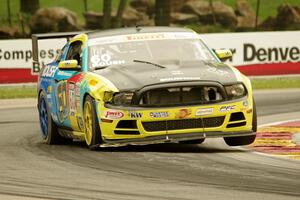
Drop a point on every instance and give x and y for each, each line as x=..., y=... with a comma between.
x=104, y=60
x=124, y=49
x=143, y=37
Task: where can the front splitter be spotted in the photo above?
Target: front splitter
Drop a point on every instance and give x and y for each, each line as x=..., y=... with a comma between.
x=172, y=138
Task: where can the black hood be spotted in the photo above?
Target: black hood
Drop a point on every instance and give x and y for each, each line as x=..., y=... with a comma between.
x=138, y=75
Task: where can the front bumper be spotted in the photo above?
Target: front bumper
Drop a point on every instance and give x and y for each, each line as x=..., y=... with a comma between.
x=141, y=135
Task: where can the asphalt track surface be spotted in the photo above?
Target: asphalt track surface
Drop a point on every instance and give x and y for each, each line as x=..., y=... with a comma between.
x=32, y=170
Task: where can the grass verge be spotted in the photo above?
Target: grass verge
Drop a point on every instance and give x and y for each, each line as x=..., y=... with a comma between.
x=276, y=83
x=13, y=92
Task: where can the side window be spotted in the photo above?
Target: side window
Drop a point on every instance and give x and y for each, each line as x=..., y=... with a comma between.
x=60, y=54
x=74, y=52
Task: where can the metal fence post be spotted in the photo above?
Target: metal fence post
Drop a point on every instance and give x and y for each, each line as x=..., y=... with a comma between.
x=8, y=13
x=257, y=12
x=85, y=5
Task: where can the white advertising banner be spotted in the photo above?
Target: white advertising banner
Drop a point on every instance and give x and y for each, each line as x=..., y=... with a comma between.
x=18, y=53
x=254, y=53
x=247, y=48
x=258, y=47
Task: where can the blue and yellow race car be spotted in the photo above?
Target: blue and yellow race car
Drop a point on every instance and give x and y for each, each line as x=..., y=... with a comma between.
x=143, y=85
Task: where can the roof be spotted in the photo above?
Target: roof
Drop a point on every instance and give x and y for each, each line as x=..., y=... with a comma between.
x=125, y=31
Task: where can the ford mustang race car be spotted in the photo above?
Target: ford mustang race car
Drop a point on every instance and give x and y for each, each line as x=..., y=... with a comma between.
x=143, y=85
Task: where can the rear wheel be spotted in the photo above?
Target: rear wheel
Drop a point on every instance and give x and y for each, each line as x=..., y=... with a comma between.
x=91, y=124
x=48, y=128
x=244, y=140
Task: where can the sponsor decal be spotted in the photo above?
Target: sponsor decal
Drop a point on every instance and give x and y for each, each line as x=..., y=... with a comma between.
x=251, y=52
x=49, y=71
x=55, y=118
x=64, y=73
x=72, y=86
x=204, y=111
x=104, y=60
x=142, y=37
x=217, y=71
x=113, y=114
x=135, y=114
x=179, y=79
x=77, y=91
x=227, y=108
x=62, y=100
x=162, y=114
x=177, y=72
x=72, y=100
x=149, y=36
x=183, y=113
x=49, y=89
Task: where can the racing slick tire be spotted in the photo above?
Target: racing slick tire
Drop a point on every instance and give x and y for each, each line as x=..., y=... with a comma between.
x=91, y=125
x=200, y=141
x=244, y=140
x=49, y=131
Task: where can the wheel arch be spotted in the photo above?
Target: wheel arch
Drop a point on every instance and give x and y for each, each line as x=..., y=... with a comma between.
x=40, y=91
x=94, y=101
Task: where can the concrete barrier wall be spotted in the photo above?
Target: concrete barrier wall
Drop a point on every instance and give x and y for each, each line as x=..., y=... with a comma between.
x=254, y=54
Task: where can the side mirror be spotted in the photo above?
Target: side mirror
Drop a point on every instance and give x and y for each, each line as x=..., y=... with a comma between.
x=68, y=64
x=223, y=54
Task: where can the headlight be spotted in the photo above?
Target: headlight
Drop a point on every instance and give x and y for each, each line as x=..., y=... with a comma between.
x=235, y=91
x=108, y=96
x=123, y=98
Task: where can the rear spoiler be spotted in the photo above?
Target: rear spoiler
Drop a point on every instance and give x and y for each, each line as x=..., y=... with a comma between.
x=35, y=47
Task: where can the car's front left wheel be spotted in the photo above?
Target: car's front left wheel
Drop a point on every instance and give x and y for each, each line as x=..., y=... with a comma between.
x=91, y=124
x=244, y=140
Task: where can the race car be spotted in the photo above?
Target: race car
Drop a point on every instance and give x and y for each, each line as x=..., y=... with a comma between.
x=143, y=85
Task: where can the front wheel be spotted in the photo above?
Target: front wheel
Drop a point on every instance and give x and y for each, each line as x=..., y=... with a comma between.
x=91, y=124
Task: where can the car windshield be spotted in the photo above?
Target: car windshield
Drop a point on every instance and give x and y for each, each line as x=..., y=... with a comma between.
x=103, y=54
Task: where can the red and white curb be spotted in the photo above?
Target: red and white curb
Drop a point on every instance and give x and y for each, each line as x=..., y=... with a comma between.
x=278, y=139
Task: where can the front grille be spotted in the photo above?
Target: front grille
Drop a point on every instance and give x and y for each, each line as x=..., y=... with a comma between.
x=213, y=122
x=186, y=95
x=183, y=124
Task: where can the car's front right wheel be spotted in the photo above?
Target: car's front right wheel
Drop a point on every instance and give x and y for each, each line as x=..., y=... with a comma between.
x=91, y=124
